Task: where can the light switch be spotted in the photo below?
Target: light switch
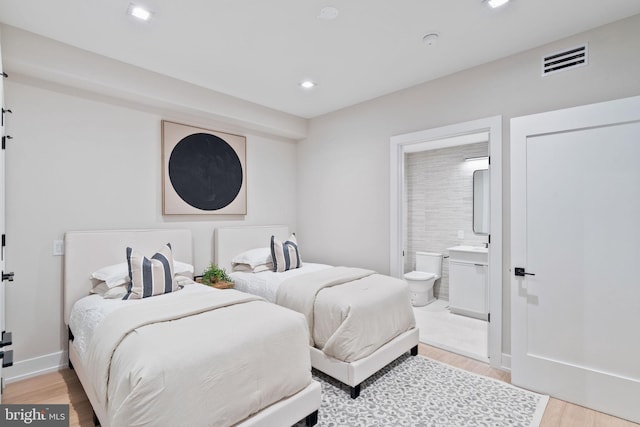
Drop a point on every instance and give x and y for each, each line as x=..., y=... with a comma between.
x=460, y=234
x=58, y=247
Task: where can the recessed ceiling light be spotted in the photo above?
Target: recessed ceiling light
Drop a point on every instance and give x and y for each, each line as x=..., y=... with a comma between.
x=308, y=84
x=497, y=3
x=139, y=12
x=328, y=13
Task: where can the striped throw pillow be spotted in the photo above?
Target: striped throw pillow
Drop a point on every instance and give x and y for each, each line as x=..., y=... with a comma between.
x=285, y=254
x=149, y=277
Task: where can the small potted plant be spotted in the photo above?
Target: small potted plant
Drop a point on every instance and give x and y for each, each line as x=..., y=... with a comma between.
x=216, y=277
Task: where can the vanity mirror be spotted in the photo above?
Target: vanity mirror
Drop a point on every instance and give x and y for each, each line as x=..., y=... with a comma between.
x=481, y=201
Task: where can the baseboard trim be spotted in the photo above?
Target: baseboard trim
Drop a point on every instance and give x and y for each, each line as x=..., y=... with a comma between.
x=452, y=349
x=506, y=362
x=36, y=366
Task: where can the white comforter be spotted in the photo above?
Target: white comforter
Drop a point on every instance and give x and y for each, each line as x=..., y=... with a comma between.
x=351, y=311
x=265, y=284
x=205, y=357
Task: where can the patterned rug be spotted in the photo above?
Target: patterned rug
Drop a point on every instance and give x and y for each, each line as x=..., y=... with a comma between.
x=417, y=391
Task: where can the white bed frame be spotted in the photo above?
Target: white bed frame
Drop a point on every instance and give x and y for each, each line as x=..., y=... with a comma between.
x=231, y=241
x=87, y=251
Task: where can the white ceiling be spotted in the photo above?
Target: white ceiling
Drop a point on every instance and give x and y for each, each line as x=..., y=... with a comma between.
x=260, y=50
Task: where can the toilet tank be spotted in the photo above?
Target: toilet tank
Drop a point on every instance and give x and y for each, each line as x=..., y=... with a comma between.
x=429, y=262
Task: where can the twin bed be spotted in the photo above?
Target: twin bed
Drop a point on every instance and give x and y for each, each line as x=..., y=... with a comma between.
x=356, y=328
x=192, y=355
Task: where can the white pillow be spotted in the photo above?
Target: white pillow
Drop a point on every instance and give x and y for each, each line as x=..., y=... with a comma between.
x=182, y=268
x=184, y=280
x=100, y=288
x=263, y=267
x=112, y=275
x=257, y=269
x=117, y=292
x=118, y=274
x=254, y=257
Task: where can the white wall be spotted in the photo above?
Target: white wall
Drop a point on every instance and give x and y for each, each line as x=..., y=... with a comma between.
x=84, y=127
x=343, y=193
x=80, y=160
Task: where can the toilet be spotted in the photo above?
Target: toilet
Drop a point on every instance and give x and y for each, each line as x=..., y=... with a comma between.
x=428, y=270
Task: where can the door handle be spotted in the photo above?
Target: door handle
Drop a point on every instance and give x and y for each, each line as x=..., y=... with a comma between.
x=519, y=271
x=7, y=339
x=4, y=112
x=7, y=358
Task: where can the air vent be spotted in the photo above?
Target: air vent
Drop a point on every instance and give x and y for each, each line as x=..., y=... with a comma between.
x=565, y=60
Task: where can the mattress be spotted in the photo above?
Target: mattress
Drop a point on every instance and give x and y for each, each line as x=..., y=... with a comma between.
x=88, y=312
x=266, y=283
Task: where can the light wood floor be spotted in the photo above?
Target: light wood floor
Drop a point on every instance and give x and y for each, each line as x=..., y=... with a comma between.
x=64, y=387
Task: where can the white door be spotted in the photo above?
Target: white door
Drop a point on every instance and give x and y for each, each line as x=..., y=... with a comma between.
x=6, y=355
x=2, y=133
x=575, y=204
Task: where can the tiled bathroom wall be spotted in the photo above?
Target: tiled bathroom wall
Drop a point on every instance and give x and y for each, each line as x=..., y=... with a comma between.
x=439, y=204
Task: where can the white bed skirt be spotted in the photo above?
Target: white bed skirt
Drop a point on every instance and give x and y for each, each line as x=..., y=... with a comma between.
x=354, y=373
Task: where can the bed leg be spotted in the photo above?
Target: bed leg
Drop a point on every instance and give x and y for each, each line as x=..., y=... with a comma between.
x=414, y=351
x=70, y=340
x=355, y=391
x=312, y=419
x=96, y=421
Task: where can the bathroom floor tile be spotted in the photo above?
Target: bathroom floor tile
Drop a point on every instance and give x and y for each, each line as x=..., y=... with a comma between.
x=453, y=332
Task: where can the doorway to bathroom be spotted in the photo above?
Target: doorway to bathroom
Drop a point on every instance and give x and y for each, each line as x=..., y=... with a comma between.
x=445, y=199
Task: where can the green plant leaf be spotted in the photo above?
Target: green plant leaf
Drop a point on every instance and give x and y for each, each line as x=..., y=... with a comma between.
x=214, y=274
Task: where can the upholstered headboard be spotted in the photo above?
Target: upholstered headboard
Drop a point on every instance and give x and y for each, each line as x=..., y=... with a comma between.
x=88, y=251
x=230, y=241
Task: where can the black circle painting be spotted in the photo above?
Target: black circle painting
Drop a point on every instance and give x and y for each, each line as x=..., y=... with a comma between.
x=205, y=171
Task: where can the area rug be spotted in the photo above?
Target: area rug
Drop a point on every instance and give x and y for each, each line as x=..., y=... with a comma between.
x=417, y=391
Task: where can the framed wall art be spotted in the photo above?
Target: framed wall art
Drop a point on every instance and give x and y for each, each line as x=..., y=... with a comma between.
x=203, y=171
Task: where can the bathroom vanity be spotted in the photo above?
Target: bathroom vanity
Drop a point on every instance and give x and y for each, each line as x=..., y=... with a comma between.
x=468, y=284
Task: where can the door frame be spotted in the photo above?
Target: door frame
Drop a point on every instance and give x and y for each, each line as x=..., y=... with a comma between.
x=455, y=135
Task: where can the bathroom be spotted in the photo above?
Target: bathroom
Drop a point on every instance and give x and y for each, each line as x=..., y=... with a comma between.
x=439, y=215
